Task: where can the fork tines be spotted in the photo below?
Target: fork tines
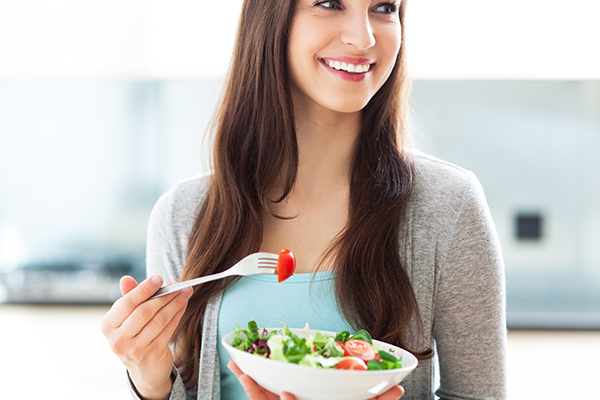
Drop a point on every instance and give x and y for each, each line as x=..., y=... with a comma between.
x=267, y=263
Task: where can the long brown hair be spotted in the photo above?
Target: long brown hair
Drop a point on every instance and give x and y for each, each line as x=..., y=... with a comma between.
x=255, y=143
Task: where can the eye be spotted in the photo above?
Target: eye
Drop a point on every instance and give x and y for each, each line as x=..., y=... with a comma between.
x=387, y=8
x=332, y=5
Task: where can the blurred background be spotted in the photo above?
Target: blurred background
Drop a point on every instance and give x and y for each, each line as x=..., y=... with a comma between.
x=103, y=107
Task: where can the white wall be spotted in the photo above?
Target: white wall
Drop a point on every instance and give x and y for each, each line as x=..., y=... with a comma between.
x=509, y=39
x=534, y=147
x=191, y=39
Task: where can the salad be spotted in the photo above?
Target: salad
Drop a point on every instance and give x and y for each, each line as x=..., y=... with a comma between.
x=342, y=351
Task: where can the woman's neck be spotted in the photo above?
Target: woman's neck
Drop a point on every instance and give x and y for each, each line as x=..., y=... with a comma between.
x=318, y=203
x=326, y=145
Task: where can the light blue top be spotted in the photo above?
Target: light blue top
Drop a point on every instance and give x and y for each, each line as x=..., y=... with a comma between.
x=261, y=298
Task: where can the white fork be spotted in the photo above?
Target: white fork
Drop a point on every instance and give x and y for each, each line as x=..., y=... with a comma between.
x=253, y=264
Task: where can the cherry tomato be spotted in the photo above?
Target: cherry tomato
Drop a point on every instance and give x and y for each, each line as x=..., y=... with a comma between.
x=286, y=264
x=348, y=363
x=359, y=349
x=340, y=345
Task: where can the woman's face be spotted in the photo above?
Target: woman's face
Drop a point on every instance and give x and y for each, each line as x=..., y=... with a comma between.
x=342, y=51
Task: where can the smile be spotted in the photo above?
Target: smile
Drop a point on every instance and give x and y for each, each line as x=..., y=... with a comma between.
x=349, y=69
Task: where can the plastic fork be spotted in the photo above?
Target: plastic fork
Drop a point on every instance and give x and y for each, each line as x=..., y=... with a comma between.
x=253, y=264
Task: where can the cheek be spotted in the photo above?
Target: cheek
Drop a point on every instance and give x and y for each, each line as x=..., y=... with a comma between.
x=303, y=47
x=299, y=38
x=307, y=38
x=393, y=39
x=391, y=43
x=296, y=52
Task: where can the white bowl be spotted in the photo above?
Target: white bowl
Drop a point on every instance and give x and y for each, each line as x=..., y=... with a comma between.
x=308, y=383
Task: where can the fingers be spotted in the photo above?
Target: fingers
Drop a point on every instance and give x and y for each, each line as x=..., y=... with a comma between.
x=240, y=375
x=145, y=334
x=161, y=325
x=253, y=390
x=401, y=390
x=393, y=394
x=235, y=369
x=153, y=314
x=127, y=284
x=130, y=301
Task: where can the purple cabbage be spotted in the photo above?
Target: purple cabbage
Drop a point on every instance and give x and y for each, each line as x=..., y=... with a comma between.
x=259, y=347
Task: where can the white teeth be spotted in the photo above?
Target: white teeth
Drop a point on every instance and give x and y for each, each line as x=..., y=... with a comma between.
x=348, y=67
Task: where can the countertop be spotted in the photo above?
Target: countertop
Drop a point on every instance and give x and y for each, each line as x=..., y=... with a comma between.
x=58, y=353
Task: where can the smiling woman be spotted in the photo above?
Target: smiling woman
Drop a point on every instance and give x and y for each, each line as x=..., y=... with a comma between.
x=311, y=153
x=349, y=48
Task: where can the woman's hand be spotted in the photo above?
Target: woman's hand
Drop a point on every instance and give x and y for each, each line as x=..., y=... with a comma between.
x=253, y=390
x=139, y=331
x=256, y=392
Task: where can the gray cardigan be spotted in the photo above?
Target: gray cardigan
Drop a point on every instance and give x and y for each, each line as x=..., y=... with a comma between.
x=449, y=247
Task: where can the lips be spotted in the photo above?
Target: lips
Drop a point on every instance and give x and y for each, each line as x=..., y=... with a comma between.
x=350, y=69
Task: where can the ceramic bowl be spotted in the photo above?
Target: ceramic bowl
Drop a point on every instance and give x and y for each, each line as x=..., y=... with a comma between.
x=308, y=383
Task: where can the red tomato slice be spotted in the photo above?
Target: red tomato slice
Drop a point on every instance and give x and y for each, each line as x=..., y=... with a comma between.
x=340, y=345
x=286, y=264
x=359, y=349
x=348, y=363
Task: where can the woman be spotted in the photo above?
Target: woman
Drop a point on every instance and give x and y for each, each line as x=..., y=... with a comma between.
x=311, y=155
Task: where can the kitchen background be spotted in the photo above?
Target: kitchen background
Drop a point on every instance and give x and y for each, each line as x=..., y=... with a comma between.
x=103, y=108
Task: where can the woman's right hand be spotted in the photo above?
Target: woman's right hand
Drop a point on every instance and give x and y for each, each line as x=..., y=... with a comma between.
x=139, y=331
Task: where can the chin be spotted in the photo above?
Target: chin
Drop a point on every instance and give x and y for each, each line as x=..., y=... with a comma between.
x=348, y=106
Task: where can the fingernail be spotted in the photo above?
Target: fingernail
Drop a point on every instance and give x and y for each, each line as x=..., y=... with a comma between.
x=187, y=291
x=401, y=388
x=155, y=280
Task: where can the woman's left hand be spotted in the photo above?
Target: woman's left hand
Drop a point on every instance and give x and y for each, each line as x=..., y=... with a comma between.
x=257, y=392
x=253, y=390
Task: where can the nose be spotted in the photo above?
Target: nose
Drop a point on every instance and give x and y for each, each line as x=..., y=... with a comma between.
x=357, y=31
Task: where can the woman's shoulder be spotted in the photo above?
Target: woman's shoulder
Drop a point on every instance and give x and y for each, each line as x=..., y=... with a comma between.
x=178, y=207
x=189, y=189
x=442, y=191
x=439, y=182
x=432, y=172
x=169, y=226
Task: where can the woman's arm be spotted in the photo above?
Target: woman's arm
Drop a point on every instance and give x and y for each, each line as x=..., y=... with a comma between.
x=139, y=331
x=469, y=315
x=151, y=373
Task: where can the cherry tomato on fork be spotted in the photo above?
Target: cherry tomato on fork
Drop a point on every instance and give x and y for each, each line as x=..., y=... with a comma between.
x=286, y=264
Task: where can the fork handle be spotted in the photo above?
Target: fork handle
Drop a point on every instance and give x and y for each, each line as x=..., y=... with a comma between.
x=192, y=282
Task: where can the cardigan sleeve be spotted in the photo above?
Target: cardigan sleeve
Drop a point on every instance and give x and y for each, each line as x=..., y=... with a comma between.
x=469, y=307
x=164, y=257
x=178, y=391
